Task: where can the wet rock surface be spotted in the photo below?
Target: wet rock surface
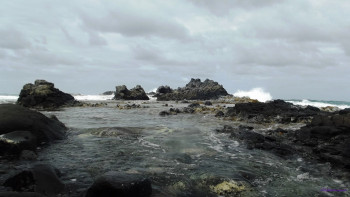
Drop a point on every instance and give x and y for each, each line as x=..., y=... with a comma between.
x=39, y=178
x=120, y=184
x=43, y=94
x=137, y=93
x=326, y=138
x=277, y=111
x=21, y=128
x=194, y=90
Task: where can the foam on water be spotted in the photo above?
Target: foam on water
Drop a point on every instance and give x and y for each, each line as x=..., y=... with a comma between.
x=93, y=97
x=255, y=93
x=318, y=104
x=8, y=99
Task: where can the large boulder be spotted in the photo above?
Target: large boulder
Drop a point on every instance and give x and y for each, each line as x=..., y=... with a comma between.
x=39, y=178
x=137, y=93
x=22, y=128
x=194, y=90
x=273, y=111
x=43, y=94
x=121, y=185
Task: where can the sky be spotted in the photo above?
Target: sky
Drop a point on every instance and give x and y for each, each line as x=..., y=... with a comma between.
x=289, y=48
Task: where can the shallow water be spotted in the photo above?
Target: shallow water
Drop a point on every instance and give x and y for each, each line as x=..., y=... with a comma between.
x=182, y=154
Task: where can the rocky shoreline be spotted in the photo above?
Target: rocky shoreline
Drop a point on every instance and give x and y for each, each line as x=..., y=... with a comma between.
x=324, y=138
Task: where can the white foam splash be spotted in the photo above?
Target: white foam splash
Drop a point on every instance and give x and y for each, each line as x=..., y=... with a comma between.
x=8, y=99
x=153, y=90
x=255, y=93
x=306, y=102
x=93, y=97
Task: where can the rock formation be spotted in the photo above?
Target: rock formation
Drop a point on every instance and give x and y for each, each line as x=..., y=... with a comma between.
x=21, y=128
x=43, y=94
x=137, y=93
x=277, y=111
x=194, y=90
x=326, y=138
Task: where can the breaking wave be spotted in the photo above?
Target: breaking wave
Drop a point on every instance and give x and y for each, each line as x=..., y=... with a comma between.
x=255, y=93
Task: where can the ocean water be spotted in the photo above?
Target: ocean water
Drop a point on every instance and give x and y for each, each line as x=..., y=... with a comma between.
x=183, y=155
x=320, y=103
x=256, y=93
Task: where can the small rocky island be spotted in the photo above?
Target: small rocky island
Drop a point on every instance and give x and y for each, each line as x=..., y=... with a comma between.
x=43, y=94
x=136, y=93
x=194, y=90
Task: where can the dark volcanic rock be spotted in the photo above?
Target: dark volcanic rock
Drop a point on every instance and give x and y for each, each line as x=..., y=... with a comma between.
x=108, y=93
x=40, y=178
x=194, y=105
x=137, y=93
x=164, y=90
x=22, y=128
x=219, y=114
x=274, y=111
x=120, y=184
x=208, y=103
x=43, y=94
x=20, y=194
x=164, y=113
x=194, y=90
x=256, y=140
x=326, y=138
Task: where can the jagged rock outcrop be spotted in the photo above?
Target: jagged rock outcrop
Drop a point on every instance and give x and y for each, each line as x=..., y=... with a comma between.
x=137, y=93
x=326, y=138
x=25, y=129
x=275, y=111
x=194, y=90
x=43, y=94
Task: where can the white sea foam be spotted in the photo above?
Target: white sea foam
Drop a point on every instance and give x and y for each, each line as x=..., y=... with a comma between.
x=8, y=99
x=93, y=97
x=318, y=104
x=153, y=90
x=255, y=93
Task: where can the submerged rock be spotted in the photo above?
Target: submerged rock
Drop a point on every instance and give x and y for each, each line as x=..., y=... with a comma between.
x=137, y=93
x=120, y=184
x=194, y=90
x=21, y=128
x=228, y=188
x=39, y=178
x=43, y=94
x=254, y=140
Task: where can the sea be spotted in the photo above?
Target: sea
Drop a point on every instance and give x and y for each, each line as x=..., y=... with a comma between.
x=254, y=94
x=183, y=155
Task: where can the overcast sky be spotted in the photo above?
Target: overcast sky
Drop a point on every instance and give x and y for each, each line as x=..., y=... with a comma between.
x=290, y=48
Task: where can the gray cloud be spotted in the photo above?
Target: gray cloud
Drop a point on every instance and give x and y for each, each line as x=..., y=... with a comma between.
x=128, y=24
x=224, y=7
x=13, y=39
x=292, y=48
